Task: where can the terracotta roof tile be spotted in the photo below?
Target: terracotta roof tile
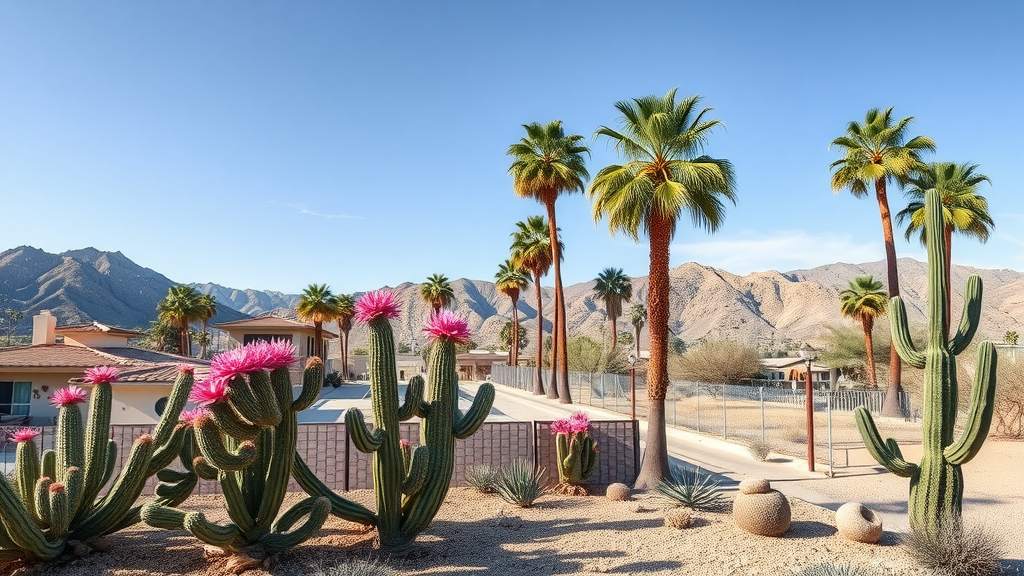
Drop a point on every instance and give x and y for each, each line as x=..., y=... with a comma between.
x=136, y=364
x=96, y=327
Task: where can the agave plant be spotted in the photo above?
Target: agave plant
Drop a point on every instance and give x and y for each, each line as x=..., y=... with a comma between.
x=694, y=489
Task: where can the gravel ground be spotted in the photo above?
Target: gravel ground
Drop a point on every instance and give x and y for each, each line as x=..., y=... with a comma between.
x=481, y=534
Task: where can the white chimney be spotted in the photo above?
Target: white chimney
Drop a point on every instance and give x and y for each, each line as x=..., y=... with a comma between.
x=43, y=327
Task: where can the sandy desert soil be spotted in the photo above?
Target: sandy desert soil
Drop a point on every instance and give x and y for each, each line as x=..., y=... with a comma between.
x=481, y=534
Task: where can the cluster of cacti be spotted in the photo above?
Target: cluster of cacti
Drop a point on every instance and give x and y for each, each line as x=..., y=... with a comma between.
x=245, y=431
x=411, y=483
x=55, y=500
x=576, y=451
x=936, y=484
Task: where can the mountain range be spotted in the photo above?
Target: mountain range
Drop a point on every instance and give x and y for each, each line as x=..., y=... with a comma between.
x=757, y=308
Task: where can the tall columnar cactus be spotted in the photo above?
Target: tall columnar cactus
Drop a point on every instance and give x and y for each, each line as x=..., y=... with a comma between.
x=576, y=451
x=410, y=484
x=936, y=484
x=55, y=499
x=246, y=434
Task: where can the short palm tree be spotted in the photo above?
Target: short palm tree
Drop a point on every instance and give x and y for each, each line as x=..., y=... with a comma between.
x=317, y=305
x=549, y=163
x=963, y=209
x=510, y=281
x=208, y=303
x=863, y=301
x=613, y=286
x=437, y=291
x=665, y=178
x=637, y=317
x=346, y=311
x=531, y=250
x=875, y=153
x=179, y=308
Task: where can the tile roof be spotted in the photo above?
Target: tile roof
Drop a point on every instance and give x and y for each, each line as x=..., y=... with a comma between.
x=97, y=327
x=271, y=321
x=136, y=364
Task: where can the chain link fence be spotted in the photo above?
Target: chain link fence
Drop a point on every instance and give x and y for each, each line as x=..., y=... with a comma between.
x=772, y=413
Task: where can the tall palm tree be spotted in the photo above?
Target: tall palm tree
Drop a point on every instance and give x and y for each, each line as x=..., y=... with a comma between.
x=963, y=209
x=613, y=286
x=208, y=304
x=863, y=301
x=548, y=164
x=665, y=177
x=637, y=317
x=531, y=250
x=878, y=152
x=437, y=291
x=510, y=281
x=179, y=308
x=318, y=305
x=346, y=311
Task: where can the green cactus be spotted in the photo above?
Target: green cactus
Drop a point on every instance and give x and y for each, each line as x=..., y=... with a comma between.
x=55, y=499
x=247, y=442
x=936, y=484
x=576, y=452
x=410, y=484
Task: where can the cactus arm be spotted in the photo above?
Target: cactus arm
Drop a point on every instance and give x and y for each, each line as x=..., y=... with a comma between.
x=468, y=424
x=970, y=318
x=225, y=537
x=97, y=437
x=362, y=438
x=42, y=497
x=26, y=471
x=165, y=453
x=211, y=445
x=413, y=404
x=901, y=334
x=175, y=404
x=49, y=463
x=982, y=405
x=280, y=469
x=110, y=463
x=319, y=509
x=312, y=384
x=21, y=529
x=122, y=495
x=159, y=516
x=70, y=440
x=231, y=424
x=234, y=502
x=203, y=469
x=588, y=458
x=887, y=454
x=416, y=472
x=60, y=510
x=253, y=402
x=340, y=507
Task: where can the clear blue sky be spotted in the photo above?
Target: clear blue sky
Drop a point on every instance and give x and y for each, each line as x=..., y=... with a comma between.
x=271, y=145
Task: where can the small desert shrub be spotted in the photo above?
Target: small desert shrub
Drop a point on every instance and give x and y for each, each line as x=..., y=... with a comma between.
x=356, y=568
x=678, y=518
x=693, y=489
x=833, y=569
x=957, y=550
x=483, y=477
x=618, y=491
x=759, y=449
x=520, y=484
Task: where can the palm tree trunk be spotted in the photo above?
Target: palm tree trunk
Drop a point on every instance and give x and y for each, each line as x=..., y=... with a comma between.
x=538, y=380
x=344, y=356
x=891, y=406
x=186, y=351
x=868, y=323
x=560, y=345
x=514, y=348
x=655, y=466
x=636, y=332
x=615, y=334
x=202, y=347
x=318, y=335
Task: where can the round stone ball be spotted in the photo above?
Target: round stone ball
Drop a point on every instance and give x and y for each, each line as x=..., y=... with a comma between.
x=858, y=523
x=678, y=518
x=755, y=486
x=618, y=491
x=766, y=514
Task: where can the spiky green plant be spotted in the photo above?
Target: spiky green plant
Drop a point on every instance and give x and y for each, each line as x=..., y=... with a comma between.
x=936, y=484
x=520, y=484
x=482, y=477
x=56, y=499
x=691, y=488
x=410, y=484
x=576, y=451
x=246, y=441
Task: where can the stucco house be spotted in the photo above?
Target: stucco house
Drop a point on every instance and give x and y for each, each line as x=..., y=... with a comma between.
x=793, y=370
x=272, y=327
x=29, y=375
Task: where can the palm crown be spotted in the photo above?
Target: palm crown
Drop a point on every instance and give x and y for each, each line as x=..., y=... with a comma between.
x=613, y=286
x=437, y=291
x=547, y=162
x=863, y=301
x=317, y=305
x=183, y=305
x=876, y=151
x=963, y=209
x=531, y=246
x=510, y=279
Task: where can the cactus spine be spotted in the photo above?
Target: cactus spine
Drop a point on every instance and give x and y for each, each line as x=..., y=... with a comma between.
x=936, y=484
x=576, y=451
x=55, y=497
x=410, y=484
x=247, y=442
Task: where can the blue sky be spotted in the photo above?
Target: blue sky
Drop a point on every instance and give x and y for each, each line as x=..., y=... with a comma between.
x=271, y=145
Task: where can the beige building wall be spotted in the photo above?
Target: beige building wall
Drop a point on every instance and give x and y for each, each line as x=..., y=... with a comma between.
x=40, y=409
x=136, y=403
x=95, y=340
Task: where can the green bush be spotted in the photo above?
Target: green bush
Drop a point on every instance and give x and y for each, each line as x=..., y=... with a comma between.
x=520, y=484
x=694, y=489
x=482, y=477
x=356, y=568
x=956, y=549
x=759, y=449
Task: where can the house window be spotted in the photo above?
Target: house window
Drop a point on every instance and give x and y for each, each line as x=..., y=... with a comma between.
x=15, y=398
x=250, y=338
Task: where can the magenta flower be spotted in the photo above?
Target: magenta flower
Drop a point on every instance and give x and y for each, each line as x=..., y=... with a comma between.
x=57, y=487
x=560, y=426
x=405, y=443
x=277, y=353
x=209, y=391
x=68, y=396
x=446, y=324
x=236, y=362
x=186, y=368
x=24, y=435
x=101, y=374
x=189, y=416
x=578, y=423
x=380, y=303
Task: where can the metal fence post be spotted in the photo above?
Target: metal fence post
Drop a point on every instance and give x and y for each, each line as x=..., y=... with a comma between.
x=760, y=393
x=603, y=390
x=725, y=412
x=697, y=390
x=828, y=410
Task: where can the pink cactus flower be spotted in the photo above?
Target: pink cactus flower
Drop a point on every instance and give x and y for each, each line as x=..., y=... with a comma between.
x=209, y=391
x=56, y=487
x=380, y=303
x=405, y=443
x=68, y=396
x=186, y=368
x=560, y=427
x=189, y=416
x=275, y=354
x=24, y=434
x=101, y=374
x=578, y=423
x=236, y=362
x=446, y=324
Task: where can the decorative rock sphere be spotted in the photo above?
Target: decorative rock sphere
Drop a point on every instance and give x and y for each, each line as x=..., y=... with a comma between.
x=760, y=510
x=678, y=518
x=617, y=491
x=856, y=522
